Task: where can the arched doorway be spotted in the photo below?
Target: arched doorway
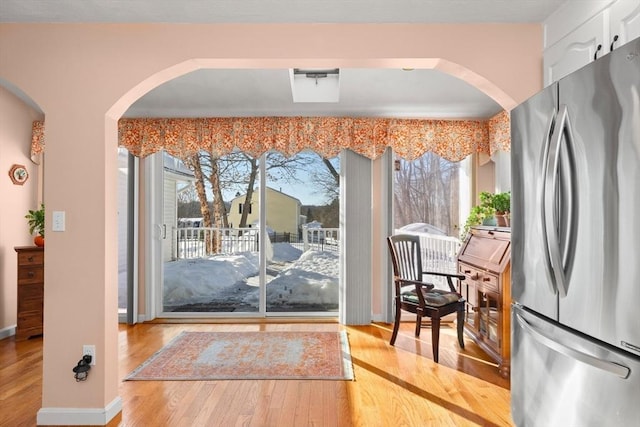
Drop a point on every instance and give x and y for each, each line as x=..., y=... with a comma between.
x=182, y=69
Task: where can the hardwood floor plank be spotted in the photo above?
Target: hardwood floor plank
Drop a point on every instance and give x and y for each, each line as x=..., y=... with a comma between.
x=289, y=402
x=399, y=385
x=303, y=402
x=262, y=411
x=317, y=403
x=208, y=414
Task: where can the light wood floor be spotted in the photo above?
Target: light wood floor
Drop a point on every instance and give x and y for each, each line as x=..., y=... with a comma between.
x=394, y=386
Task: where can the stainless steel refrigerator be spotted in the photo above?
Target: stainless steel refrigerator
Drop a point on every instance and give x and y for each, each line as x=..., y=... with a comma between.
x=575, y=216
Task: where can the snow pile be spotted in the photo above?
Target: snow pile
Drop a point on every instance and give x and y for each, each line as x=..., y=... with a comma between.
x=285, y=252
x=294, y=278
x=203, y=279
x=313, y=278
x=421, y=227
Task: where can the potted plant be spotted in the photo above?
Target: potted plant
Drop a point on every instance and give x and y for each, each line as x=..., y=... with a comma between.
x=502, y=205
x=482, y=214
x=35, y=220
x=494, y=209
x=487, y=201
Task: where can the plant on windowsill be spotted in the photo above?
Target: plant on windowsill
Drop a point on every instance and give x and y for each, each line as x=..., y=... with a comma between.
x=502, y=205
x=493, y=210
x=35, y=219
x=482, y=214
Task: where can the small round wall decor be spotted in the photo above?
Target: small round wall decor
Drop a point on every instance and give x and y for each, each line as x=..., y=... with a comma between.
x=18, y=174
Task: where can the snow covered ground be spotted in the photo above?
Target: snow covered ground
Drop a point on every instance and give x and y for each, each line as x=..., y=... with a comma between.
x=294, y=278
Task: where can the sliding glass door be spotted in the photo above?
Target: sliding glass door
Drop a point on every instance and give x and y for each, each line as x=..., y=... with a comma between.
x=210, y=237
x=301, y=214
x=249, y=236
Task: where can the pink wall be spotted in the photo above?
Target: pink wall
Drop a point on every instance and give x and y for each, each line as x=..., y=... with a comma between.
x=85, y=76
x=15, y=139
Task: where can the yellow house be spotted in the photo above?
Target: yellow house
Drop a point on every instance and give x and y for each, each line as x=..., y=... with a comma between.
x=283, y=211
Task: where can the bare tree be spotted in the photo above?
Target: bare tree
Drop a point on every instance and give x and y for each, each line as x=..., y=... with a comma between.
x=241, y=170
x=238, y=172
x=193, y=163
x=328, y=180
x=426, y=190
x=253, y=173
x=187, y=194
x=212, y=166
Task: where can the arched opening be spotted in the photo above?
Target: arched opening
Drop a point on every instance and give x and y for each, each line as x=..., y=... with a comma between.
x=120, y=108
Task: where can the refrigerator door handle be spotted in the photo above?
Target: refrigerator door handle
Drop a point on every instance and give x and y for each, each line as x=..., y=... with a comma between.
x=541, y=196
x=559, y=261
x=610, y=367
x=570, y=197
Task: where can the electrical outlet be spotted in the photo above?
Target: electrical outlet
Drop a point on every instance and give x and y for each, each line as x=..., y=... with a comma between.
x=90, y=350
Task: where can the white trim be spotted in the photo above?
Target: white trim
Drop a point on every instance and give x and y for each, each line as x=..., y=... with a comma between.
x=143, y=318
x=153, y=234
x=136, y=250
x=122, y=318
x=262, y=249
x=502, y=161
x=7, y=332
x=385, y=228
x=380, y=318
x=466, y=183
x=79, y=416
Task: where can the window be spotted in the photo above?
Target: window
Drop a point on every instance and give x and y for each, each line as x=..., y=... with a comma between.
x=426, y=195
x=242, y=204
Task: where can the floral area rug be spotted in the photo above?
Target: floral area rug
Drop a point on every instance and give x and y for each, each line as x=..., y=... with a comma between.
x=201, y=356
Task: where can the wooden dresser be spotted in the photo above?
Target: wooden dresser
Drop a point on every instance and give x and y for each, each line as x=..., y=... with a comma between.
x=485, y=261
x=30, y=291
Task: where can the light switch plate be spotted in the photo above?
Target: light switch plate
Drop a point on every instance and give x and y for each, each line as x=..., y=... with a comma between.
x=58, y=221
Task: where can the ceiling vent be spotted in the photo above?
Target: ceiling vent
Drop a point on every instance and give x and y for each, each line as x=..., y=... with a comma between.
x=315, y=85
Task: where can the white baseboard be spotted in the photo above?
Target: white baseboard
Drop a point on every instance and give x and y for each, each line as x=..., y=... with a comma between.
x=122, y=318
x=79, y=416
x=7, y=332
x=378, y=318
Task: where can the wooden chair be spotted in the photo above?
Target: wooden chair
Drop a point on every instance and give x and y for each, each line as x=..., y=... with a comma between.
x=414, y=295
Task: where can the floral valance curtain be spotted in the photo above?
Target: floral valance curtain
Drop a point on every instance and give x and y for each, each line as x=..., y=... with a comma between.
x=410, y=138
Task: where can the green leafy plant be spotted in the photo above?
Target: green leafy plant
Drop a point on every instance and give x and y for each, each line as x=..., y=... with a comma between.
x=486, y=199
x=479, y=213
x=490, y=205
x=502, y=202
x=36, y=220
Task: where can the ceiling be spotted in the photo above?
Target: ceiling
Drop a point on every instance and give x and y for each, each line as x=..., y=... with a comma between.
x=419, y=93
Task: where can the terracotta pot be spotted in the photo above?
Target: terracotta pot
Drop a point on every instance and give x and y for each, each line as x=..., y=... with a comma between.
x=38, y=240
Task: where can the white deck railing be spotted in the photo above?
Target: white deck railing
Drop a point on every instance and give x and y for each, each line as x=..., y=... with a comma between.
x=320, y=239
x=439, y=253
x=198, y=242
